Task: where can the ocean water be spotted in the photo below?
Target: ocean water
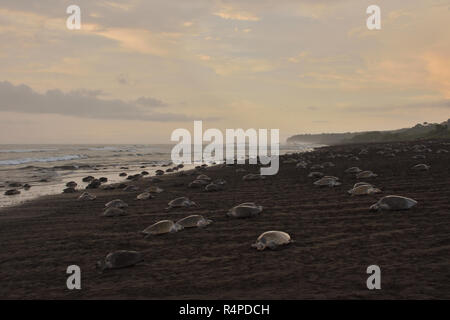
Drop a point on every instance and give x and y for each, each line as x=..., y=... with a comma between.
x=47, y=168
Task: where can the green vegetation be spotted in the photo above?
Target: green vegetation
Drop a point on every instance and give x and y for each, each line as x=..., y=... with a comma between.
x=419, y=131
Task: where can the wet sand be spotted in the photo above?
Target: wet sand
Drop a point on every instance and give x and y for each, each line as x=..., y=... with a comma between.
x=336, y=236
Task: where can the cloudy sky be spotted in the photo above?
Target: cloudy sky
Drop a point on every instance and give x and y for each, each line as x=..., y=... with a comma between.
x=138, y=69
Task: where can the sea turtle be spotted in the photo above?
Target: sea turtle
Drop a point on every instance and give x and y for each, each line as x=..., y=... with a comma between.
x=87, y=196
x=117, y=203
x=203, y=177
x=144, y=196
x=366, y=174
x=120, y=259
x=220, y=182
x=88, y=179
x=361, y=184
x=421, y=167
x=328, y=164
x=131, y=188
x=212, y=187
x=11, y=192
x=154, y=189
x=327, y=181
x=181, y=202
x=94, y=184
x=272, y=240
x=301, y=165
x=245, y=210
x=353, y=170
x=193, y=221
x=69, y=190
x=113, y=212
x=71, y=184
x=198, y=183
x=315, y=174
x=363, y=190
x=162, y=227
x=394, y=203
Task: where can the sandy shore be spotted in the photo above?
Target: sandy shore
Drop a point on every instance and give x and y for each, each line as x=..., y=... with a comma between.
x=336, y=236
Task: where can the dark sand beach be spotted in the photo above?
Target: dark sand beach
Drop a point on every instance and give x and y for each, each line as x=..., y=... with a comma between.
x=336, y=236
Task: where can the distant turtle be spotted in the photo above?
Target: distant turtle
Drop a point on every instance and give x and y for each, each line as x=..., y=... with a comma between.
x=181, y=202
x=315, y=174
x=88, y=179
x=245, y=210
x=122, y=174
x=117, y=203
x=103, y=179
x=134, y=177
x=203, y=177
x=193, y=221
x=11, y=192
x=361, y=184
x=394, y=203
x=113, y=212
x=15, y=185
x=328, y=164
x=363, y=190
x=331, y=177
x=421, y=167
x=327, y=181
x=71, y=184
x=162, y=227
x=85, y=196
x=272, y=240
x=120, y=259
x=301, y=165
x=366, y=174
x=94, y=184
x=144, y=196
x=353, y=170
x=154, y=189
x=69, y=190
x=212, y=187
x=220, y=182
x=198, y=183
x=159, y=172
x=131, y=188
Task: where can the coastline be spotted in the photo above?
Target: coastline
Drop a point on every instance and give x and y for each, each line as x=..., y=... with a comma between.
x=336, y=236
